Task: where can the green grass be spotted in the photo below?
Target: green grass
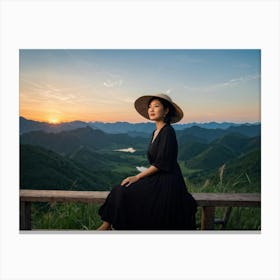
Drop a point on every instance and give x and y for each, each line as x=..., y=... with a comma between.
x=244, y=218
x=68, y=216
x=84, y=216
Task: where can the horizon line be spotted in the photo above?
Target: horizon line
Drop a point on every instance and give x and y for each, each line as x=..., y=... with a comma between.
x=218, y=122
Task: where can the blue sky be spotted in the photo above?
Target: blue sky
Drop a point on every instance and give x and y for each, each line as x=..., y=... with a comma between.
x=101, y=85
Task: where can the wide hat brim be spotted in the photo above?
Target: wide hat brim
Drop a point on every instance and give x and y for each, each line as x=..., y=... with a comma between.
x=141, y=106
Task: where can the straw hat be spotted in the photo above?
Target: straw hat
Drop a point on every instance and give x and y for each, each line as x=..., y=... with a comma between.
x=141, y=106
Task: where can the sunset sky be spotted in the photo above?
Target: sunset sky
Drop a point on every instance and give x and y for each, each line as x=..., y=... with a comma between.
x=101, y=85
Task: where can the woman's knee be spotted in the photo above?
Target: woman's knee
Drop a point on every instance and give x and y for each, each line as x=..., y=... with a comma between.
x=118, y=189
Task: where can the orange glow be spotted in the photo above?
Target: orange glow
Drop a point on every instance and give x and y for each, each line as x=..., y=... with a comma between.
x=136, y=118
x=53, y=120
x=89, y=112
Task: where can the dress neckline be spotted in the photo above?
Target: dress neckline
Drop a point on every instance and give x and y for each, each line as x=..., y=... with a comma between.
x=152, y=141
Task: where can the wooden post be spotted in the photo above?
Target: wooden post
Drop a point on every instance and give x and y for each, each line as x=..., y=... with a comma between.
x=25, y=215
x=207, y=217
x=226, y=217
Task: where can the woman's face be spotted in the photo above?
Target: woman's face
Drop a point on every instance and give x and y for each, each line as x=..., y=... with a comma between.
x=156, y=111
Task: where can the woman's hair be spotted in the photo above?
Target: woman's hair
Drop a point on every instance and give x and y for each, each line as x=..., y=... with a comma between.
x=166, y=105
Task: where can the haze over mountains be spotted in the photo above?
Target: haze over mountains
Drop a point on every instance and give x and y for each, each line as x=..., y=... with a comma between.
x=134, y=129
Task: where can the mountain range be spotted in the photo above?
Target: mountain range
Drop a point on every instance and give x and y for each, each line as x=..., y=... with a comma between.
x=88, y=158
x=133, y=129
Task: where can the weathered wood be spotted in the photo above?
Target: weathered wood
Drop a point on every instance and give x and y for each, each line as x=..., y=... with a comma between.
x=63, y=196
x=207, y=217
x=202, y=199
x=25, y=215
x=226, y=217
x=228, y=199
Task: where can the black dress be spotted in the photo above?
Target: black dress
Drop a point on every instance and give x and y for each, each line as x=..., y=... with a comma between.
x=156, y=202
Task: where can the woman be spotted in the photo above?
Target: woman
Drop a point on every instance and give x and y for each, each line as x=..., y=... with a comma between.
x=157, y=198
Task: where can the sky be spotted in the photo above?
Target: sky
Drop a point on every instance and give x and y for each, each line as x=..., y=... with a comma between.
x=102, y=85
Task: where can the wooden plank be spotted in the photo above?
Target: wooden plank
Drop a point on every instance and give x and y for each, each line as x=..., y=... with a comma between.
x=228, y=199
x=207, y=218
x=202, y=199
x=63, y=196
x=25, y=215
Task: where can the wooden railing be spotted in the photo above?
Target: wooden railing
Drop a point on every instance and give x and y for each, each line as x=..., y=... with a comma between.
x=207, y=201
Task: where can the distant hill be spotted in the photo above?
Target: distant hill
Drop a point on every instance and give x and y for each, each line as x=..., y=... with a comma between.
x=248, y=130
x=201, y=134
x=44, y=169
x=235, y=142
x=67, y=141
x=219, y=151
x=190, y=149
x=208, y=135
x=133, y=129
x=209, y=125
x=213, y=156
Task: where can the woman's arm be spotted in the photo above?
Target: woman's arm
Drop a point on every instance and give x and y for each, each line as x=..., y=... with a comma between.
x=129, y=180
x=149, y=171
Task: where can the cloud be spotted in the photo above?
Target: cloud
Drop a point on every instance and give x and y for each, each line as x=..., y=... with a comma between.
x=113, y=83
x=48, y=92
x=229, y=83
x=111, y=80
x=236, y=81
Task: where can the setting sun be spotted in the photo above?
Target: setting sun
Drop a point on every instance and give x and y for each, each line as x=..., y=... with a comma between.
x=53, y=120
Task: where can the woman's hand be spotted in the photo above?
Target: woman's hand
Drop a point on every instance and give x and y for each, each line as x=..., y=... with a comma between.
x=129, y=180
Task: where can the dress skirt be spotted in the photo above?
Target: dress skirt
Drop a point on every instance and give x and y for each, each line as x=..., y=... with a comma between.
x=160, y=201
